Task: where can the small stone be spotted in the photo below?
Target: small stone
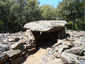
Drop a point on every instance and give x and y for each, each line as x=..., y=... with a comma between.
x=81, y=61
x=55, y=61
x=69, y=58
x=83, y=57
x=3, y=47
x=58, y=43
x=56, y=54
x=50, y=51
x=61, y=48
x=31, y=50
x=68, y=44
x=3, y=58
x=76, y=50
x=83, y=47
x=18, y=45
x=12, y=53
x=13, y=39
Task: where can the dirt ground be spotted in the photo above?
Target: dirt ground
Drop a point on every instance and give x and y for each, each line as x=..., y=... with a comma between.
x=36, y=57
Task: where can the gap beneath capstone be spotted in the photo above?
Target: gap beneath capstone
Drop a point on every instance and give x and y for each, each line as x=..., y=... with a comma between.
x=46, y=39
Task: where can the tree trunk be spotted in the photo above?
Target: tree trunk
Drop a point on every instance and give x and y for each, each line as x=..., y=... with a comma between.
x=74, y=23
x=21, y=27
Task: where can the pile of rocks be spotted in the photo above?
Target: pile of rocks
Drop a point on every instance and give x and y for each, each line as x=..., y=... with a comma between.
x=70, y=50
x=15, y=46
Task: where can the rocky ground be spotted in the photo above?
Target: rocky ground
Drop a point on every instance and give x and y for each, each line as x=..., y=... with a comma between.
x=69, y=50
x=15, y=47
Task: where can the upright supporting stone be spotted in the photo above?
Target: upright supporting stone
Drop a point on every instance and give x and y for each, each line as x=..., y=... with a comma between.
x=31, y=42
x=59, y=34
x=63, y=32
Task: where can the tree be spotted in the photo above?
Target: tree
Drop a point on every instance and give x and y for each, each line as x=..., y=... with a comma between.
x=4, y=15
x=71, y=10
x=24, y=11
x=47, y=12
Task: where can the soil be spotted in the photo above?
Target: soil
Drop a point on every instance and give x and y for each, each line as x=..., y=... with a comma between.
x=36, y=57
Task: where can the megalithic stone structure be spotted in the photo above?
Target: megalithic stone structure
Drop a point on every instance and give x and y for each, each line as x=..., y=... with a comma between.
x=47, y=29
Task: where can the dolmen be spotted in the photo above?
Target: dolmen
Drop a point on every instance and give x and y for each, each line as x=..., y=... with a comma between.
x=14, y=47
x=45, y=30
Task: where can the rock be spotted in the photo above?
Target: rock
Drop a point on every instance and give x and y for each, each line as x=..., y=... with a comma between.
x=81, y=57
x=68, y=39
x=13, y=39
x=31, y=50
x=45, y=26
x=18, y=45
x=47, y=58
x=50, y=59
x=58, y=43
x=61, y=48
x=31, y=39
x=23, y=52
x=84, y=53
x=55, y=61
x=76, y=50
x=29, y=34
x=20, y=33
x=63, y=41
x=68, y=44
x=27, y=46
x=56, y=54
x=81, y=62
x=50, y=51
x=77, y=43
x=30, y=43
x=10, y=40
x=5, y=40
x=3, y=58
x=3, y=47
x=83, y=47
x=69, y=58
x=12, y=53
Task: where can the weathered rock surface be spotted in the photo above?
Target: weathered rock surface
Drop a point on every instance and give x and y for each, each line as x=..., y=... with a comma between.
x=12, y=53
x=3, y=58
x=15, y=46
x=61, y=48
x=45, y=26
x=76, y=50
x=71, y=49
x=30, y=39
x=3, y=47
x=69, y=58
x=18, y=45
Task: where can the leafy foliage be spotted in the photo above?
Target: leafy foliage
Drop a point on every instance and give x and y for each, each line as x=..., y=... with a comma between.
x=71, y=10
x=70, y=26
x=15, y=13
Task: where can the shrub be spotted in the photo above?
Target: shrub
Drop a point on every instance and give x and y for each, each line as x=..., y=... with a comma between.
x=1, y=25
x=70, y=26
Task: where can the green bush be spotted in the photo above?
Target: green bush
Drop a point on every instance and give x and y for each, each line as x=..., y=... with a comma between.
x=70, y=26
x=1, y=25
x=80, y=24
